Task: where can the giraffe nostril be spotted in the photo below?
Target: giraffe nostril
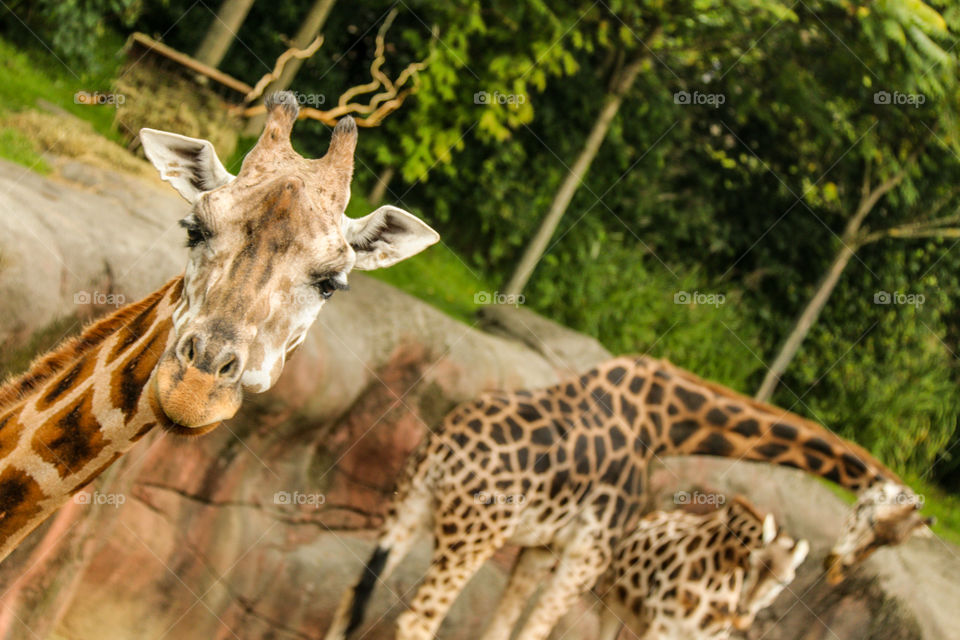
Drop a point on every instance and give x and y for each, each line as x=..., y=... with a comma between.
x=188, y=349
x=230, y=369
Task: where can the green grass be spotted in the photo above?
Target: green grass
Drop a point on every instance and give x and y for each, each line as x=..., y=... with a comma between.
x=28, y=76
x=16, y=147
x=943, y=506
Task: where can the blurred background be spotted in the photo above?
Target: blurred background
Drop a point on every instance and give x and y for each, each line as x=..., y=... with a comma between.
x=764, y=192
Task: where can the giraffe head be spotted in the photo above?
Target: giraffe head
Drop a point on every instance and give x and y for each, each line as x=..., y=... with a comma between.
x=886, y=513
x=772, y=566
x=267, y=248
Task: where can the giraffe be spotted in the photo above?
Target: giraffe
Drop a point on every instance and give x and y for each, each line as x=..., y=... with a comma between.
x=681, y=575
x=562, y=468
x=267, y=248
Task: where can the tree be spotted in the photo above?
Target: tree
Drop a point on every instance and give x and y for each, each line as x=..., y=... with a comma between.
x=226, y=23
x=910, y=58
x=307, y=33
x=611, y=105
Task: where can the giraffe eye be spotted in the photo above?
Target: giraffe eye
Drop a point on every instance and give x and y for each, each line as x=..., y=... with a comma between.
x=197, y=232
x=327, y=285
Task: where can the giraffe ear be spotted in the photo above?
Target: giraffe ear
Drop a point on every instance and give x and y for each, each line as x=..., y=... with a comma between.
x=387, y=236
x=769, y=529
x=189, y=164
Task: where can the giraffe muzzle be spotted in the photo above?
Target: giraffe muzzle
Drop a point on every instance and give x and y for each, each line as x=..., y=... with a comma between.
x=198, y=383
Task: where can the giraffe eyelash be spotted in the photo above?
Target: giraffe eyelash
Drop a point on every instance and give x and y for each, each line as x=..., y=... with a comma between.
x=197, y=232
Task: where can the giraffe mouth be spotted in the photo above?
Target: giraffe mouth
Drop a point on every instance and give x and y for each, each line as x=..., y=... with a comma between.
x=194, y=402
x=189, y=432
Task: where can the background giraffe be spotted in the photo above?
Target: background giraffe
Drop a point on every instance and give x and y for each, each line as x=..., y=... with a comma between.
x=267, y=249
x=563, y=467
x=684, y=575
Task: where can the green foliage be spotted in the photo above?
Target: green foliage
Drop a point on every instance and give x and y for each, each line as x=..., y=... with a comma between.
x=72, y=29
x=26, y=76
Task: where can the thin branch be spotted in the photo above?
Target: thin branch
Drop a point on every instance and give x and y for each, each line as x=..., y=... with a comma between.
x=285, y=57
x=381, y=104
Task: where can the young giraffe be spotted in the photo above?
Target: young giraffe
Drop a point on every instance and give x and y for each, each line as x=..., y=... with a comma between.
x=267, y=248
x=562, y=467
x=680, y=575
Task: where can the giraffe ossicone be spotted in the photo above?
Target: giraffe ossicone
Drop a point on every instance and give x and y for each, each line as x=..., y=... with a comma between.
x=267, y=248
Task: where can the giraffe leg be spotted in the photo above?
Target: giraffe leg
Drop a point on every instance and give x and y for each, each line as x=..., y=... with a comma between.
x=451, y=568
x=609, y=624
x=528, y=572
x=582, y=561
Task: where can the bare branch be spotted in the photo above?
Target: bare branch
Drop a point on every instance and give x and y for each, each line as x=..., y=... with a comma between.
x=290, y=53
x=381, y=104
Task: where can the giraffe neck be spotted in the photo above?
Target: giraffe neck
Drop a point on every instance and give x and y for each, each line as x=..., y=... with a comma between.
x=690, y=416
x=79, y=408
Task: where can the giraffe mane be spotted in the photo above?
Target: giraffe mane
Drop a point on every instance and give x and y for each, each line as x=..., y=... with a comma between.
x=49, y=364
x=794, y=418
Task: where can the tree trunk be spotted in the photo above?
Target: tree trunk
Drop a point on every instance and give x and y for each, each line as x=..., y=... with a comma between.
x=309, y=28
x=380, y=188
x=803, y=323
x=850, y=242
x=221, y=33
x=534, y=251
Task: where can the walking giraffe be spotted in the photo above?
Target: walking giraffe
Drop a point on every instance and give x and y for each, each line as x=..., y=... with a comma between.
x=267, y=249
x=680, y=575
x=562, y=467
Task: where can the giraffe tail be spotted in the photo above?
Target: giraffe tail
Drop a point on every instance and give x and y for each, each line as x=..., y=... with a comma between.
x=409, y=516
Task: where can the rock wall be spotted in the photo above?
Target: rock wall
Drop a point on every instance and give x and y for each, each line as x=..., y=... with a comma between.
x=254, y=530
